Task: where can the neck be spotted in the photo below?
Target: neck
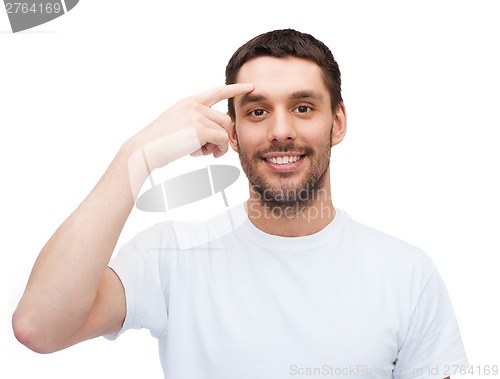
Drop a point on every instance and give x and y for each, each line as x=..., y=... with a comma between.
x=292, y=220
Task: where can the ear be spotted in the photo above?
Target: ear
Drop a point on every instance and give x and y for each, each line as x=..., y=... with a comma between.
x=233, y=137
x=339, y=127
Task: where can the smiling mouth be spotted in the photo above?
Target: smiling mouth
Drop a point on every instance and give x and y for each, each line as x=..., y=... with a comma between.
x=284, y=159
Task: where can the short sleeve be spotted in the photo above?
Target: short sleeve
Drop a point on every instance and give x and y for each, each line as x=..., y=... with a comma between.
x=433, y=342
x=141, y=266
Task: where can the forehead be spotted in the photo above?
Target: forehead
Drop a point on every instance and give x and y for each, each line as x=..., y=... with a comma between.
x=279, y=77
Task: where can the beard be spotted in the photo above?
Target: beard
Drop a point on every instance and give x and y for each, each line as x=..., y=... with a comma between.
x=284, y=190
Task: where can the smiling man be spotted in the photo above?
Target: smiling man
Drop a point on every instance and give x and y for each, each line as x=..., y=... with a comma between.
x=280, y=286
x=287, y=127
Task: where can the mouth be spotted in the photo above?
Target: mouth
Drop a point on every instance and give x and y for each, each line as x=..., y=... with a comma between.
x=284, y=163
x=282, y=160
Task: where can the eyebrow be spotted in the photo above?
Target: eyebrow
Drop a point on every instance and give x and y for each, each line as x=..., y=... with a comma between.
x=306, y=94
x=250, y=98
x=297, y=95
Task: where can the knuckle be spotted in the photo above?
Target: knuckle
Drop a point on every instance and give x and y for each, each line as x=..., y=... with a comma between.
x=227, y=121
x=196, y=119
x=190, y=104
x=186, y=101
x=223, y=138
x=199, y=128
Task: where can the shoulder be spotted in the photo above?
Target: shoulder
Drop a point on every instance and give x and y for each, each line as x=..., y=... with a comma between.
x=386, y=251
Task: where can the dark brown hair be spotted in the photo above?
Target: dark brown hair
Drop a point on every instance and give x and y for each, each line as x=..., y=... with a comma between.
x=284, y=43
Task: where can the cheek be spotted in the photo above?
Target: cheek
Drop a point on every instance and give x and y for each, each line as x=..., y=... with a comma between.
x=248, y=137
x=317, y=135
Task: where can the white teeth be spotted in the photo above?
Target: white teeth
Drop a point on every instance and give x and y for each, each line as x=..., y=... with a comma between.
x=283, y=160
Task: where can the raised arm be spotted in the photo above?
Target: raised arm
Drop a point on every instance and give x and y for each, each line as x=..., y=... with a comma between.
x=71, y=294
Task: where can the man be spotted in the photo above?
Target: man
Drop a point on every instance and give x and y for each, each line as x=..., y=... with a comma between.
x=283, y=285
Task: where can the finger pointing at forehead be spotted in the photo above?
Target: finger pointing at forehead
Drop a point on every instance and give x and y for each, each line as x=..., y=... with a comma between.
x=216, y=94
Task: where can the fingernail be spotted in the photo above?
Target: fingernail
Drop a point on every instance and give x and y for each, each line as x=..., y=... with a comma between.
x=247, y=85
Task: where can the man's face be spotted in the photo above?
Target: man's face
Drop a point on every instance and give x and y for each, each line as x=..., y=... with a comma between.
x=283, y=129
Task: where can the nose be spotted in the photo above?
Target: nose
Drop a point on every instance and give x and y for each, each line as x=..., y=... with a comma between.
x=281, y=127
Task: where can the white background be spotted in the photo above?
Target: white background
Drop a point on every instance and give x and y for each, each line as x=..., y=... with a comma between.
x=420, y=160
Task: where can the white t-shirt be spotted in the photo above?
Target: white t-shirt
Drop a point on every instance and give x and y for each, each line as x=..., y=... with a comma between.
x=226, y=300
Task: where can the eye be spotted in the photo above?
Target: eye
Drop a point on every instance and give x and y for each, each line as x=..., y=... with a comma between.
x=258, y=113
x=302, y=109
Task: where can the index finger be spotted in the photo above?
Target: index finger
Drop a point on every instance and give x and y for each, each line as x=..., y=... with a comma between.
x=216, y=94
